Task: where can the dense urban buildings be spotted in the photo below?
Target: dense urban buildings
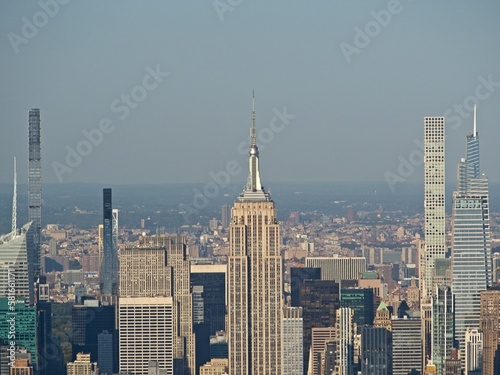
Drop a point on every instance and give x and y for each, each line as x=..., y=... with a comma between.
x=255, y=311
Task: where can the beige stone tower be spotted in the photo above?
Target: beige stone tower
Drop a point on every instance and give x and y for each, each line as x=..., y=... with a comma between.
x=254, y=279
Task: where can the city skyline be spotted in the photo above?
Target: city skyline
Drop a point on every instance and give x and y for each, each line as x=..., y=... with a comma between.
x=302, y=72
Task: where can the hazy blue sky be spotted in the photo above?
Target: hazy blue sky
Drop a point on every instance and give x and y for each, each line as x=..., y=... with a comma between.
x=354, y=120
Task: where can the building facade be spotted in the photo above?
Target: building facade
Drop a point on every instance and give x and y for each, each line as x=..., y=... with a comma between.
x=338, y=268
x=293, y=336
x=489, y=322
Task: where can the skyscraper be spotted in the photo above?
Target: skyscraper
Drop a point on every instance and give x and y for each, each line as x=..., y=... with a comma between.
x=108, y=274
x=13, y=262
x=473, y=351
x=344, y=338
x=297, y=277
x=471, y=250
x=213, y=279
x=406, y=346
x=376, y=351
x=434, y=198
x=443, y=327
x=254, y=278
x=490, y=326
x=34, y=200
x=293, y=335
x=319, y=300
x=155, y=279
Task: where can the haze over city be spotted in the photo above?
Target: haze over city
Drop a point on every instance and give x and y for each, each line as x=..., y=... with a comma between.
x=354, y=78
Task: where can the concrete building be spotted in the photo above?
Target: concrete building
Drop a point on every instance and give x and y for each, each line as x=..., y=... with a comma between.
x=293, y=336
x=434, y=199
x=489, y=322
x=82, y=366
x=338, y=268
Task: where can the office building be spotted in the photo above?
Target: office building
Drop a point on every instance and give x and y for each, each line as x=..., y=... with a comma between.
x=344, y=339
x=320, y=340
x=108, y=274
x=24, y=325
x=376, y=351
x=158, y=267
x=82, y=366
x=293, y=336
x=105, y=344
x=218, y=366
x=255, y=313
x=319, y=300
x=443, y=326
x=21, y=367
x=297, y=277
x=406, y=346
x=360, y=300
x=453, y=365
x=34, y=200
x=226, y=216
x=338, y=268
x=489, y=323
x=144, y=340
x=212, y=277
x=434, y=199
x=471, y=249
x=383, y=317
x=88, y=322
x=473, y=351
x=14, y=262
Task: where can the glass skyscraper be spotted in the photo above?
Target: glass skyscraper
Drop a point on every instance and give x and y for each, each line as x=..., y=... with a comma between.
x=471, y=251
x=109, y=263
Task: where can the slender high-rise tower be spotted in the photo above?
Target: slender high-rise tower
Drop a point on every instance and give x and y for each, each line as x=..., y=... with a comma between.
x=34, y=199
x=434, y=199
x=108, y=273
x=254, y=278
x=471, y=249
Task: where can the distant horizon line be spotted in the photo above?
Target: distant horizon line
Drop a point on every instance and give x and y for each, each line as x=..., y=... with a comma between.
x=378, y=182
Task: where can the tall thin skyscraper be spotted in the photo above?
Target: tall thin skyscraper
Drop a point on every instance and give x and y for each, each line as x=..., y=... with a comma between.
x=471, y=250
x=434, y=199
x=254, y=278
x=34, y=200
x=108, y=274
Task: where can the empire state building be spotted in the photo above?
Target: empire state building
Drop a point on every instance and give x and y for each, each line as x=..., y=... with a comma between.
x=254, y=278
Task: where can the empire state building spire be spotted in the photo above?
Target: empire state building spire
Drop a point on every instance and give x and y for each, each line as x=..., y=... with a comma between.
x=253, y=190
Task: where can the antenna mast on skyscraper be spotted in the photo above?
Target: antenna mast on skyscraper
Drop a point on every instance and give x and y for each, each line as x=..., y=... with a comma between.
x=14, y=201
x=475, y=127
